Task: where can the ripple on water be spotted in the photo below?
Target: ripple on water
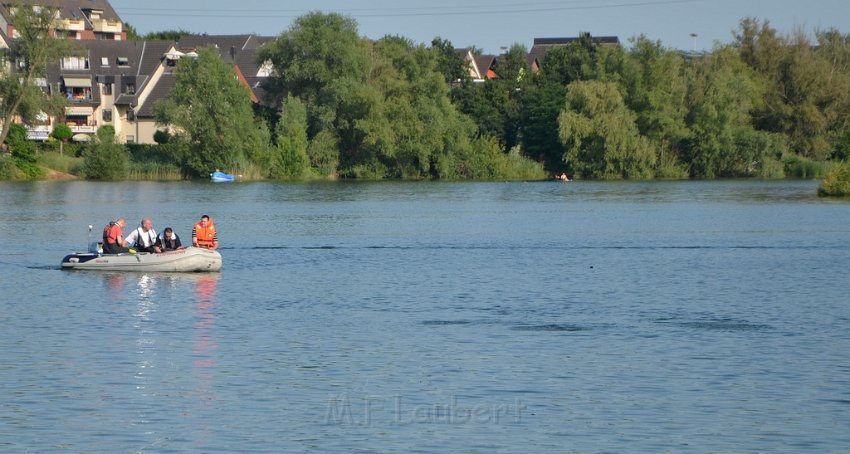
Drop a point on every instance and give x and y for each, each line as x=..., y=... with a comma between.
x=716, y=324
x=445, y=322
x=550, y=327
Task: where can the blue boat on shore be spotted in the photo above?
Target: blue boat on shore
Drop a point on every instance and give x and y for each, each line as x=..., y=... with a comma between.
x=221, y=177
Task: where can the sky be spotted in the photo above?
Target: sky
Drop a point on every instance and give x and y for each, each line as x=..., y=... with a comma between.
x=496, y=25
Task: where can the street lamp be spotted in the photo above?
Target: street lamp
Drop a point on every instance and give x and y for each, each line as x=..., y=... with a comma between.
x=694, y=36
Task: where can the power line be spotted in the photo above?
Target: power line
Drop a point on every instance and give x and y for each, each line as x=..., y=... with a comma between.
x=414, y=12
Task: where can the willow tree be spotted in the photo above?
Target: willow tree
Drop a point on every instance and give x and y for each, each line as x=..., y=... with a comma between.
x=600, y=134
x=212, y=118
x=31, y=51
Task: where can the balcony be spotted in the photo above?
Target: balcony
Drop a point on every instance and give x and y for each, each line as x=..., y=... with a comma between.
x=81, y=123
x=77, y=25
x=79, y=95
x=38, y=132
x=107, y=26
x=76, y=129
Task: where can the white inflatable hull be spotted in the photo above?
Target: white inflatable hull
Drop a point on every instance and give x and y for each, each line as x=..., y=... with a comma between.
x=186, y=260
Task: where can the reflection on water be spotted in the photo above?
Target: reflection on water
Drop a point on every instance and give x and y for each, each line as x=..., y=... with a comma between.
x=205, y=345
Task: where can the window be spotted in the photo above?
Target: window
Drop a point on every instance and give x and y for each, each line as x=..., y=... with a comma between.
x=130, y=89
x=123, y=61
x=131, y=139
x=107, y=89
x=75, y=63
x=104, y=61
x=107, y=114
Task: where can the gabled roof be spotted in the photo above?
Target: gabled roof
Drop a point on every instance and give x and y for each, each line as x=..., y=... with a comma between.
x=468, y=58
x=485, y=65
x=69, y=9
x=543, y=45
x=239, y=50
x=161, y=90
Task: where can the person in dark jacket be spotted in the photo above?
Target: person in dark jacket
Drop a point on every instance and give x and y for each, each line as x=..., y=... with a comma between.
x=167, y=241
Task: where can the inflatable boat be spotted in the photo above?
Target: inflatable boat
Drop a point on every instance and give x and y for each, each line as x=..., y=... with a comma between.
x=186, y=260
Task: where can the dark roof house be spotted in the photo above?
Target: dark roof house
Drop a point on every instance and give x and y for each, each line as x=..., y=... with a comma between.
x=543, y=45
x=78, y=19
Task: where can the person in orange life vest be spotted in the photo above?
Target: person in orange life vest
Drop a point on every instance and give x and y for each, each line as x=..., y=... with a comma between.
x=203, y=235
x=113, y=238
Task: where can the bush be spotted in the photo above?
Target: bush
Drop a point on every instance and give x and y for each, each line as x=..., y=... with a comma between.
x=8, y=169
x=802, y=167
x=485, y=160
x=837, y=181
x=161, y=137
x=104, y=159
x=24, y=153
x=769, y=168
x=323, y=152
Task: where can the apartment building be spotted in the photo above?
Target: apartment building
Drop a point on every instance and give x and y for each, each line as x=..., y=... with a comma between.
x=119, y=82
x=75, y=19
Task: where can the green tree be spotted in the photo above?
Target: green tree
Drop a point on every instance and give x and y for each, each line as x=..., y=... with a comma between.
x=411, y=122
x=168, y=35
x=656, y=90
x=484, y=104
x=132, y=33
x=62, y=133
x=577, y=61
x=541, y=105
x=722, y=93
x=451, y=65
x=600, y=134
x=806, y=86
x=212, y=118
x=104, y=158
x=322, y=60
x=30, y=53
x=291, y=159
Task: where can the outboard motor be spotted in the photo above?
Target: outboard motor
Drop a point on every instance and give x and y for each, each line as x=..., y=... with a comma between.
x=95, y=247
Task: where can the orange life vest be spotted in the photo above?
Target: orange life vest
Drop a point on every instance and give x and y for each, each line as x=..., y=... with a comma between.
x=111, y=233
x=205, y=236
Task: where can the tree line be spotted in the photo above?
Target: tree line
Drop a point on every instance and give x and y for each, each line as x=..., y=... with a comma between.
x=765, y=104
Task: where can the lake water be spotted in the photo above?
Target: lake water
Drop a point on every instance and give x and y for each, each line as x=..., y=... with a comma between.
x=433, y=317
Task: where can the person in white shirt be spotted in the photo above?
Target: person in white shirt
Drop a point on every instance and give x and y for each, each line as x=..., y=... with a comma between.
x=143, y=238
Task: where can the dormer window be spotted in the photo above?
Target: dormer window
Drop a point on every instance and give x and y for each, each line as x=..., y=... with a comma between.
x=104, y=61
x=93, y=13
x=123, y=61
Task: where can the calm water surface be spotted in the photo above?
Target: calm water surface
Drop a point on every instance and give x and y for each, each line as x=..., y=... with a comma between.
x=433, y=317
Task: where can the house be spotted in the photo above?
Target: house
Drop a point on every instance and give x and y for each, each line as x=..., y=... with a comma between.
x=486, y=67
x=109, y=82
x=541, y=46
x=119, y=82
x=75, y=19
